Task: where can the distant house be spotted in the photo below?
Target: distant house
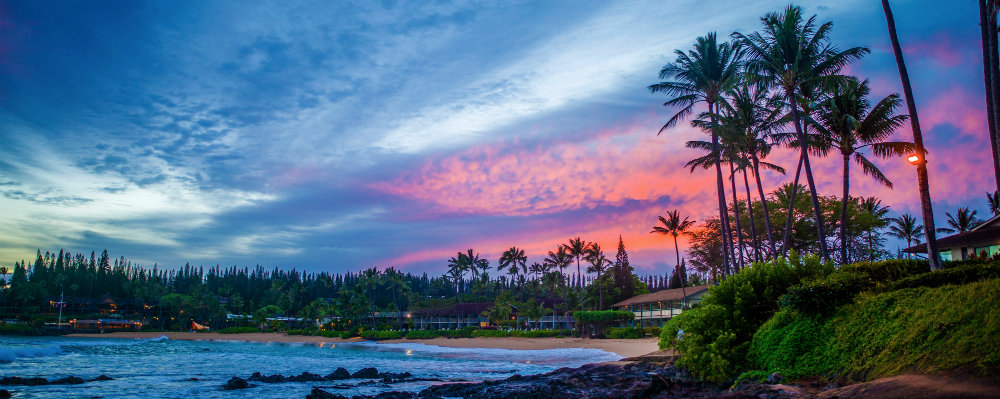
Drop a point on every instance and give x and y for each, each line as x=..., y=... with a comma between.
x=982, y=240
x=656, y=308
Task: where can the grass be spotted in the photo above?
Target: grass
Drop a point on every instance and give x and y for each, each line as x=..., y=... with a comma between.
x=924, y=329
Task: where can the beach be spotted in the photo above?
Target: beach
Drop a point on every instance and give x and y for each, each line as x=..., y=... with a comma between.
x=622, y=347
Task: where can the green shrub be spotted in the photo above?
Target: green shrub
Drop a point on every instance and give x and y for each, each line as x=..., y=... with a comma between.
x=330, y=334
x=824, y=295
x=381, y=335
x=924, y=330
x=624, y=333
x=653, y=331
x=961, y=274
x=795, y=345
x=423, y=334
x=544, y=334
x=18, y=329
x=717, y=334
x=491, y=333
x=238, y=330
x=887, y=271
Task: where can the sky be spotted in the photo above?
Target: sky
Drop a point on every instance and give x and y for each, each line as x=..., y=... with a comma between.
x=334, y=136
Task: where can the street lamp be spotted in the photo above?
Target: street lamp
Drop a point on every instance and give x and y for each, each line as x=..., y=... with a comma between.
x=915, y=159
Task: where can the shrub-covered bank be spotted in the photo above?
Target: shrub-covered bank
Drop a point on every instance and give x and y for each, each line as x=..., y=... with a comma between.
x=866, y=320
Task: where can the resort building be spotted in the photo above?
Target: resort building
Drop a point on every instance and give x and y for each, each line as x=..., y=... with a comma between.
x=654, y=309
x=982, y=241
x=471, y=315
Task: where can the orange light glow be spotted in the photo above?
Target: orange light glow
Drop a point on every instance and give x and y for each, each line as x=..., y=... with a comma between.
x=914, y=159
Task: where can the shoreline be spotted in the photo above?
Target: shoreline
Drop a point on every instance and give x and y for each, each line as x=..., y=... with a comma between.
x=626, y=348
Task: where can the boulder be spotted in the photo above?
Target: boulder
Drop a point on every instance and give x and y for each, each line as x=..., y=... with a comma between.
x=367, y=372
x=775, y=378
x=306, y=377
x=389, y=378
x=71, y=380
x=4, y=394
x=102, y=377
x=235, y=383
x=321, y=394
x=339, y=374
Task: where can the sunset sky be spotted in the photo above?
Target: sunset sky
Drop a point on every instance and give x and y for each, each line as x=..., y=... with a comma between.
x=333, y=136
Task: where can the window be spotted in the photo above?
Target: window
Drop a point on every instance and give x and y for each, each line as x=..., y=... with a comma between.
x=945, y=255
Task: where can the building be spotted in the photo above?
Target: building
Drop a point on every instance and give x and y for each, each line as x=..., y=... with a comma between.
x=983, y=241
x=656, y=308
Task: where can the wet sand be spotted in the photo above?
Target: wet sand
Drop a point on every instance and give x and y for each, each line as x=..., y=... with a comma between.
x=621, y=347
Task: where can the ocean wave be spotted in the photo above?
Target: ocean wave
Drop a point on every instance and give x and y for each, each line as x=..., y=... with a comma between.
x=9, y=354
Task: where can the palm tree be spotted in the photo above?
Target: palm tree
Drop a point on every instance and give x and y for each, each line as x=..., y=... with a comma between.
x=674, y=226
x=751, y=114
x=923, y=182
x=457, y=266
x=849, y=123
x=994, y=202
x=991, y=75
x=514, y=261
x=598, y=264
x=560, y=259
x=577, y=248
x=905, y=227
x=703, y=75
x=962, y=221
x=875, y=215
x=790, y=54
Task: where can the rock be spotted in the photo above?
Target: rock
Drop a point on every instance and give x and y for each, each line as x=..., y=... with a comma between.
x=394, y=395
x=339, y=374
x=236, y=383
x=71, y=380
x=775, y=378
x=269, y=379
x=321, y=394
x=23, y=381
x=367, y=372
x=102, y=377
x=389, y=378
x=4, y=394
x=306, y=377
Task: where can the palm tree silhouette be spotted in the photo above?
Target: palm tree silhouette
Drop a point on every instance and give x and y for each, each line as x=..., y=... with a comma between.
x=674, y=226
x=514, y=261
x=875, y=215
x=905, y=227
x=790, y=54
x=962, y=221
x=703, y=74
x=993, y=200
x=560, y=259
x=849, y=123
x=598, y=264
x=577, y=248
x=923, y=181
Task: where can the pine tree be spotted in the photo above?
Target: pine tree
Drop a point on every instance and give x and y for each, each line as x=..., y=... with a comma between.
x=623, y=271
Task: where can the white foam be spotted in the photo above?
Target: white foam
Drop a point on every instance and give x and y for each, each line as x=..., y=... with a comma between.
x=9, y=354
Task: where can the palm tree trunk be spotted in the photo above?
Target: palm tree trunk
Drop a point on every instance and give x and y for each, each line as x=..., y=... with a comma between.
x=821, y=234
x=763, y=203
x=987, y=17
x=791, y=209
x=753, y=227
x=736, y=211
x=600, y=289
x=843, y=211
x=871, y=246
x=933, y=257
x=681, y=276
x=727, y=239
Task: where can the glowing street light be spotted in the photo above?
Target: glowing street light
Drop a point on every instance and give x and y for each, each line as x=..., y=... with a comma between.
x=914, y=159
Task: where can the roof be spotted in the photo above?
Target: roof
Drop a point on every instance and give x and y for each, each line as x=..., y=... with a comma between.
x=987, y=231
x=675, y=294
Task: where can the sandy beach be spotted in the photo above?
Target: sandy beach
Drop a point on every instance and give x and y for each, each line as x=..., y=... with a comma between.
x=622, y=347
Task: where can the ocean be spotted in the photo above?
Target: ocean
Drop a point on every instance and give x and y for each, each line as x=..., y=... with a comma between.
x=161, y=368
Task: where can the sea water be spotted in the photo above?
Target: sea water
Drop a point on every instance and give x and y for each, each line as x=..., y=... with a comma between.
x=161, y=368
